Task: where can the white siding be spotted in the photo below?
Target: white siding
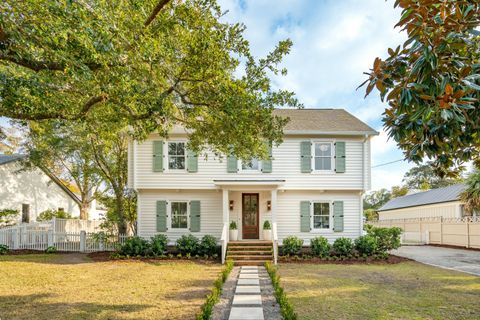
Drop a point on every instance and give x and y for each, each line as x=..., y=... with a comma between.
x=288, y=212
x=446, y=210
x=286, y=165
x=32, y=187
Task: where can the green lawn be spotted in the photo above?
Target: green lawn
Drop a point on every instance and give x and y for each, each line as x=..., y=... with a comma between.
x=74, y=287
x=407, y=290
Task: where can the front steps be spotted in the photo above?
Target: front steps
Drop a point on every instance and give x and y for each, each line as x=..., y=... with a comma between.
x=250, y=253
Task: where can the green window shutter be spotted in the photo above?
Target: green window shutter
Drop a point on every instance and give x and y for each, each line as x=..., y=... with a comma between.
x=305, y=216
x=338, y=216
x=305, y=156
x=232, y=164
x=192, y=161
x=157, y=156
x=340, y=157
x=195, y=216
x=161, y=216
x=267, y=164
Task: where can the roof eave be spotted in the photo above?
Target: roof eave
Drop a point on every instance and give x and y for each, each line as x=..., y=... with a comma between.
x=336, y=133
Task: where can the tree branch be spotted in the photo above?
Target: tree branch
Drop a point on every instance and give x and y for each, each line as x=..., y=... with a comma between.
x=156, y=10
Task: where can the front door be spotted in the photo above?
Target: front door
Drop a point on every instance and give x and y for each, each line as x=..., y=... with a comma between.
x=250, y=216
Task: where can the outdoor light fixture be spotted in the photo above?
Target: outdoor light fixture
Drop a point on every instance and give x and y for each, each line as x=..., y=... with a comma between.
x=269, y=205
x=231, y=204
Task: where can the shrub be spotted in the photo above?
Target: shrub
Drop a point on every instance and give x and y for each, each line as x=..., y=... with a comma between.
x=8, y=216
x=320, y=247
x=343, y=246
x=387, y=238
x=291, y=245
x=49, y=214
x=286, y=308
x=188, y=244
x=266, y=225
x=3, y=249
x=51, y=249
x=233, y=225
x=158, y=245
x=366, y=245
x=208, y=245
x=135, y=246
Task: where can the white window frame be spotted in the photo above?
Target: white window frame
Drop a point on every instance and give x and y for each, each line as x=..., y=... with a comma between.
x=165, y=151
x=330, y=216
x=170, y=215
x=241, y=170
x=332, y=157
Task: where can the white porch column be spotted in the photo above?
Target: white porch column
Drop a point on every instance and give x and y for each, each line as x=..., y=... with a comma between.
x=225, y=206
x=273, y=199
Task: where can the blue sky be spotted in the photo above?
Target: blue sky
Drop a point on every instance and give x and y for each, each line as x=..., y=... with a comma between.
x=334, y=42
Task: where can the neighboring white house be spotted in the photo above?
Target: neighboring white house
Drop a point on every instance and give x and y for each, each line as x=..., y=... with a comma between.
x=32, y=191
x=441, y=202
x=313, y=184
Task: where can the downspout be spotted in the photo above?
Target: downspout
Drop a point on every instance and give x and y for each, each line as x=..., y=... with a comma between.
x=363, y=183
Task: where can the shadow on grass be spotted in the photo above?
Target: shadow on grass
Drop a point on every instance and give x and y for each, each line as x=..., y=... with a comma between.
x=57, y=258
x=34, y=306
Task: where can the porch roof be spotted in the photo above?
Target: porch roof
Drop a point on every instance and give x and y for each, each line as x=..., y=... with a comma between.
x=249, y=182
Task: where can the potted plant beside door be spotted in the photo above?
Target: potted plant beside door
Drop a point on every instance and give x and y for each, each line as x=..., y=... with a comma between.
x=233, y=231
x=267, y=230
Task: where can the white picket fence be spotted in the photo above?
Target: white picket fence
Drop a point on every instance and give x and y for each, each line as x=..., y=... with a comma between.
x=21, y=238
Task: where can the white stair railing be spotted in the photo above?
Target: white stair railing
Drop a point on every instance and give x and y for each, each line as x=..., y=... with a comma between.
x=275, y=242
x=224, y=240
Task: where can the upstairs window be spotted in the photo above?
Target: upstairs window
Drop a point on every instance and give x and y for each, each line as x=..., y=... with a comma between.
x=252, y=165
x=179, y=215
x=176, y=155
x=323, y=156
x=321, y=215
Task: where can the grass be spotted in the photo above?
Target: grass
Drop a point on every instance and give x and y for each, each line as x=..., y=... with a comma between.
x=407, y=290
x=74, y=287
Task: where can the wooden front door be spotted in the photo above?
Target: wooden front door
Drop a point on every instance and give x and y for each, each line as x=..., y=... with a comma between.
x=250, y=216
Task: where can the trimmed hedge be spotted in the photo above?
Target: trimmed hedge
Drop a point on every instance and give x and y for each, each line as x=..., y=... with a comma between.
x=291, y=245
x=286, y=307
x=320, y=247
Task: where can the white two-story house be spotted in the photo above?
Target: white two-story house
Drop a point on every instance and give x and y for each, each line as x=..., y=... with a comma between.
x=313, y=184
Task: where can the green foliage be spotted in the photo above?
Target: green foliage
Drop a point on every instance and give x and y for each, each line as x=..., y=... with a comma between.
x=424, y=177
x=233, y=225
x=376, y=199
x=266, y=225
x=208, y=246
x=188, y=244
x=291, y=245
x=49, y=214
x=432, y=84
x=134, y=247
x=471, y=195
x=214, y=296
x=399, y=191
x=366, y=245
x=3, y=249
x=158, y=245
x=370, y=214
x=51, y=249
x=286, y=308
x=343, y=246
x=320, y=247
x=387, y=238
x=8, y=216
x=121, y=210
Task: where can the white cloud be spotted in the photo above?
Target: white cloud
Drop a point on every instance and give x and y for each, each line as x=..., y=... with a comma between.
x=382, y=145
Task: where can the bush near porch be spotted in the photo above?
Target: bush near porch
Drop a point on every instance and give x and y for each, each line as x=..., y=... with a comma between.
x=71, y=286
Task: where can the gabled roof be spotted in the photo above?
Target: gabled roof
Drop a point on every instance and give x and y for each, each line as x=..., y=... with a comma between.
x=7, y=158
x=323, y=121
x=447, y=194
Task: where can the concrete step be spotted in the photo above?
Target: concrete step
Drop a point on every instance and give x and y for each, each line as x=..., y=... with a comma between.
x=238, y=258
x=250, y=248
x=250, y=262
x=250, y=243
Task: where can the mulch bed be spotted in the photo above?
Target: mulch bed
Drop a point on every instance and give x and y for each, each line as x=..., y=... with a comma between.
x=392, y=259
x=107, y=256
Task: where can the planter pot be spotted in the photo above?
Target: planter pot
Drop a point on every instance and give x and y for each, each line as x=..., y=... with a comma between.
x=233, y=235
x=267, y=235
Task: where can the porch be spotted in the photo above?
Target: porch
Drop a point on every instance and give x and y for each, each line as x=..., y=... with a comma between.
x=249, y=203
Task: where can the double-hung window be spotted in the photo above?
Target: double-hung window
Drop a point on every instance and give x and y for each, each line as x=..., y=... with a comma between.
x=252, y=165
x=321, y=215
x=323, y=156
x=179, y=214
x=176, y=155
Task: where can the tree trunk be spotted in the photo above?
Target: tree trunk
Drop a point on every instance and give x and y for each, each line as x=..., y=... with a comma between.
x=84, y=210
x=119, y=203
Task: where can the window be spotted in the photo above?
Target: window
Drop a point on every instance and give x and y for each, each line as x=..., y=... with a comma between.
x=176, y=155
x=323, y=155
x=252, y=165
x=321, y=215
x=179, y=215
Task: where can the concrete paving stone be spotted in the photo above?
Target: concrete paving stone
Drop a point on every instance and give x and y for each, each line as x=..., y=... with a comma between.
x=250, y=268
x=248, y=276
x=249, y=271
x=250, y=299
x=255, y=282
x=247, y=289
x=246, y=313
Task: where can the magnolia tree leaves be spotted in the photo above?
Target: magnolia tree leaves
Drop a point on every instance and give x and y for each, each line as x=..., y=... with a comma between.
x=432, y=83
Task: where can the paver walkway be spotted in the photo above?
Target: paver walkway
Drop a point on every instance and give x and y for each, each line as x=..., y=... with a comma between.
x=248, y=295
